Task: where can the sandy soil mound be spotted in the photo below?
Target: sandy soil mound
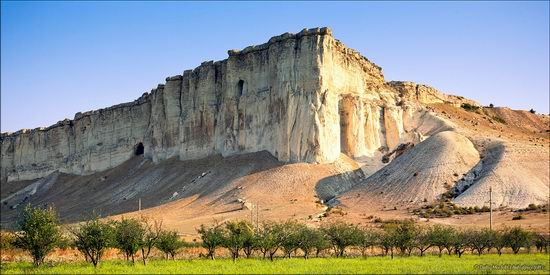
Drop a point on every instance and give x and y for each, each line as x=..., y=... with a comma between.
x=187, y=193
x=517, y=174
x=422, y=173
x=515, y=155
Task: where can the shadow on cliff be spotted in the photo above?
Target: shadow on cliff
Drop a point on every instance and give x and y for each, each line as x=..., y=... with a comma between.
x=118, y=190
x=329, y=188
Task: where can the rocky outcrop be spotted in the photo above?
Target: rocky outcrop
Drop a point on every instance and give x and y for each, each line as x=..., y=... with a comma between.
x=302, y=97
x=427, y=95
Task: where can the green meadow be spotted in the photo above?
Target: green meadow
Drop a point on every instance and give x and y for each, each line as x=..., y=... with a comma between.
x=485, y=264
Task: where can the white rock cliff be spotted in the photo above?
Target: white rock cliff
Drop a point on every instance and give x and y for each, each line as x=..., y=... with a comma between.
x=302, y=97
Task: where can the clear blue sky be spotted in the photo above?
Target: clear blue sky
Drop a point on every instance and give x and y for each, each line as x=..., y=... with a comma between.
x=59, y=58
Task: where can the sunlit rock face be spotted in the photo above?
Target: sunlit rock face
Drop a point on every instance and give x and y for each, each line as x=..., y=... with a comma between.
x=302, y=97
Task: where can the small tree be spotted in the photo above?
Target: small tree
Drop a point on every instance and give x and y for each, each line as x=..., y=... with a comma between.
x=270, y=238
x=532, y=111
x=516, y=238
x=150, y=236
x=442, y=238
x=479, y=240
x=92, y=238
x=491, y=105
x=212, y=238
x=39, y=232
x=342, y=235
x=542, y=242
x=128, y=236
x=321, y=244
x=423, y=239
x=368, y=239
x=236, y=234
x=387, y=239
x=403, y=236
x=308, y=239
x=290, y=237
x=460, y=242
x=250, y=240
x=168, y=242
x=499, y=241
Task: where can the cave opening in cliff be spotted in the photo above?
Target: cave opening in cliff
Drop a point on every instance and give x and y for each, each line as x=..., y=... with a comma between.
x=240, y=88
x=139, y=149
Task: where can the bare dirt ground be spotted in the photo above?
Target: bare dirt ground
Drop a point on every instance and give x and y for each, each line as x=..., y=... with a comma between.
x=185, y=194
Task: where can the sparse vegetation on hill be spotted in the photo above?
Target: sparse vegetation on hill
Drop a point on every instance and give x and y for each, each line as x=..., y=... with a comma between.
x=469, y=107
x=499, y=119
x=446, y=208
x=537, y=208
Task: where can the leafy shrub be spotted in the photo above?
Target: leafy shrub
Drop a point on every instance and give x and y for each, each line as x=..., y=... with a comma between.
x=92, y=238
x=270, y=238
x=212, y=238
x=368, y=238
x=169, y=243
x=290, y=237
x=499, y=119
x=341, y=235
x=404, y=236
x=423, y=239
x=469, y=107
x=236, y=235
x=39, y=232
x=461, y=242
x=536, y=208
x=479, y=240
x=542, y=242
x=518, y=217
x=309, y=239
x=128, y=236
x=7, y=240
x=442, y=237
x=446, y=208
x=516, y=238
x=150, y=236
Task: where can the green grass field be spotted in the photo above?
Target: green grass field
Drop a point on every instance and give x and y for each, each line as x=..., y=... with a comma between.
x=413, y=264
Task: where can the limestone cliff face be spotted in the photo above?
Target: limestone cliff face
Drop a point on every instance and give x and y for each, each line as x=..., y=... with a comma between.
x=302, y=97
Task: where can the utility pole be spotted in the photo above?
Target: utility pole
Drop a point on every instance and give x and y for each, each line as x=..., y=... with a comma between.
x=257, y=216
x=490, y=208
x=139, y=205
x=252, y=213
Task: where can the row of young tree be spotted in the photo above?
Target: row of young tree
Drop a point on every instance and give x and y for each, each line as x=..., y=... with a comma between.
x=39, y=233
x=402, y=237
